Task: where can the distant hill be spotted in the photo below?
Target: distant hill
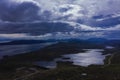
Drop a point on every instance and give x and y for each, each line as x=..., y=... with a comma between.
x=101, y=41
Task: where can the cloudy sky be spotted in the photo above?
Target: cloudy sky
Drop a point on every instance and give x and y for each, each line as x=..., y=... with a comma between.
x=85, y=15
x=27, y=10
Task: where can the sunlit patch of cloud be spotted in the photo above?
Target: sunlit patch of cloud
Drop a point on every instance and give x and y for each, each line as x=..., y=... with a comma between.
x=57, y=35
x=49, y=10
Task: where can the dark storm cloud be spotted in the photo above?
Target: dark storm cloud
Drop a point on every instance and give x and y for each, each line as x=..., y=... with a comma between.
x=25, y=11
x=55, y=10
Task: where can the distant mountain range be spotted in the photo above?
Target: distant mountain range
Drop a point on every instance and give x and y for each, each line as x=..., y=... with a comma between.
x=88, y=41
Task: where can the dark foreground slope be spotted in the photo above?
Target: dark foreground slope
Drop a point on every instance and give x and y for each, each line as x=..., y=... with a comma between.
x=20, y=67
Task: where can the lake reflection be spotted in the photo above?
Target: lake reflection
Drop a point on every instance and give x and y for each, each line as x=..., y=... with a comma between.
x=91, y=56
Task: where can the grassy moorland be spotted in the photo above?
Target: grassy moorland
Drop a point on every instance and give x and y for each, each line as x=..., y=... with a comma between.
x=20, y=67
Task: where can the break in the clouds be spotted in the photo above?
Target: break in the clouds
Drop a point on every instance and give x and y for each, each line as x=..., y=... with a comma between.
x=61, y=35
x=80, y=15
x=28, y=10
x=57, y=36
